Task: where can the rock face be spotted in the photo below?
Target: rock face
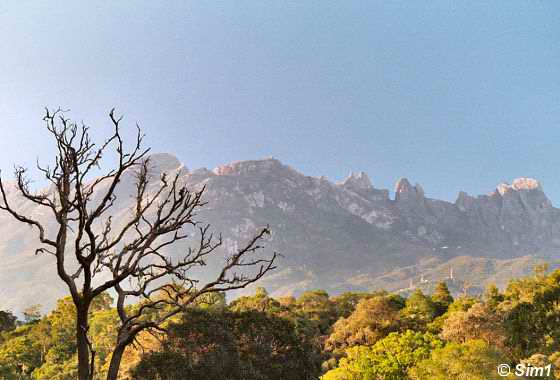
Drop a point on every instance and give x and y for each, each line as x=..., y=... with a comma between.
x=343, y=236
x=405, y=192
x=358, y=182
x=518, y=217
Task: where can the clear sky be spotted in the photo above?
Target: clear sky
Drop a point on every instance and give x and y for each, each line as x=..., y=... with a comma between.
x=455, y=95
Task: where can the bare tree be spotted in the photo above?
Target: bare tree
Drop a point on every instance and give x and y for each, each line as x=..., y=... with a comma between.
x=93, y=255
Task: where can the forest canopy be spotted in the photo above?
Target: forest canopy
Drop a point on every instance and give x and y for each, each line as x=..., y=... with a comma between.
x=352, y=336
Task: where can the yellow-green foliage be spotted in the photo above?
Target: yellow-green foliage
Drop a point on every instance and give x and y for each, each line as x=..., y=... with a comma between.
x=353, y=336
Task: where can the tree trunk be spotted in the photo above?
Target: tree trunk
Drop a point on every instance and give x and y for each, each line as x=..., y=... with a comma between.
x=83, y=346
x=115, y=364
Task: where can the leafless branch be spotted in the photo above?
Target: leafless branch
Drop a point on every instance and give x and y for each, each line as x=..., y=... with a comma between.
x=131, y=254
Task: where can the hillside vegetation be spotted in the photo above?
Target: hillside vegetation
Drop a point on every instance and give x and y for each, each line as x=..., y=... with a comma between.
x=353, y=336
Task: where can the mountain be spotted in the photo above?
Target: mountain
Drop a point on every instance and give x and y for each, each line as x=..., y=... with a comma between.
x=336, y=236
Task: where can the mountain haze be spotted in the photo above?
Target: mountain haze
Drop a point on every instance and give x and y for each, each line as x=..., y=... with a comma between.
x=337, y=236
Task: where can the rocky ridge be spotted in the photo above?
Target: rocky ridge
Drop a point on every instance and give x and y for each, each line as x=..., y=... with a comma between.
x=338, y=236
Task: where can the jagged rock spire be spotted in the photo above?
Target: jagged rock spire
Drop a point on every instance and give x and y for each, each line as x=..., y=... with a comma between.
x=519, y=184
x=358, y=181
x=404, y=191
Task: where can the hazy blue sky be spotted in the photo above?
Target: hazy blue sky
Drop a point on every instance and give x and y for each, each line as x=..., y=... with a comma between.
x=454, y=95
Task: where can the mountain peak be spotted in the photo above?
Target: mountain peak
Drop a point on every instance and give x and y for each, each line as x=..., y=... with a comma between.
x=464, y=201
x=405, y=191
x=360, y=228
x=526, y=184
x=249, y=166
x=519, y=184
x=164, y=162
x=357, y=181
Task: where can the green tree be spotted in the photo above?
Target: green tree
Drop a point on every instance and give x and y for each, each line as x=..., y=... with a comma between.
x=373, y=319
x=389, y=359
x=8, y=321
x=441, y=298
x=346, y=303
x=479, y=322
x=532, y=316
x=492, y=296
x=24, y=350
x=473, y=360
x=316, y=306
x=462, y=303
x=419, y=310
x=207, y=344
x=260, y=301
x=286, y=308
x=45, y=349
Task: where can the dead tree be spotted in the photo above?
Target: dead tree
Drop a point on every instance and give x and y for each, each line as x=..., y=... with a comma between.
x=93, y=255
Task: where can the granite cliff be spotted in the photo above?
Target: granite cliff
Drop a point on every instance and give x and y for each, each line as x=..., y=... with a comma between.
x=337, y=236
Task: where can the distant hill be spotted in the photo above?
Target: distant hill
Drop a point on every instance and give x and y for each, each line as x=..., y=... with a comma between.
x=336, y=236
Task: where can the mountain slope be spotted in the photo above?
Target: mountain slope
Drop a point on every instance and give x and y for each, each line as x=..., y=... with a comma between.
x=336, y=236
